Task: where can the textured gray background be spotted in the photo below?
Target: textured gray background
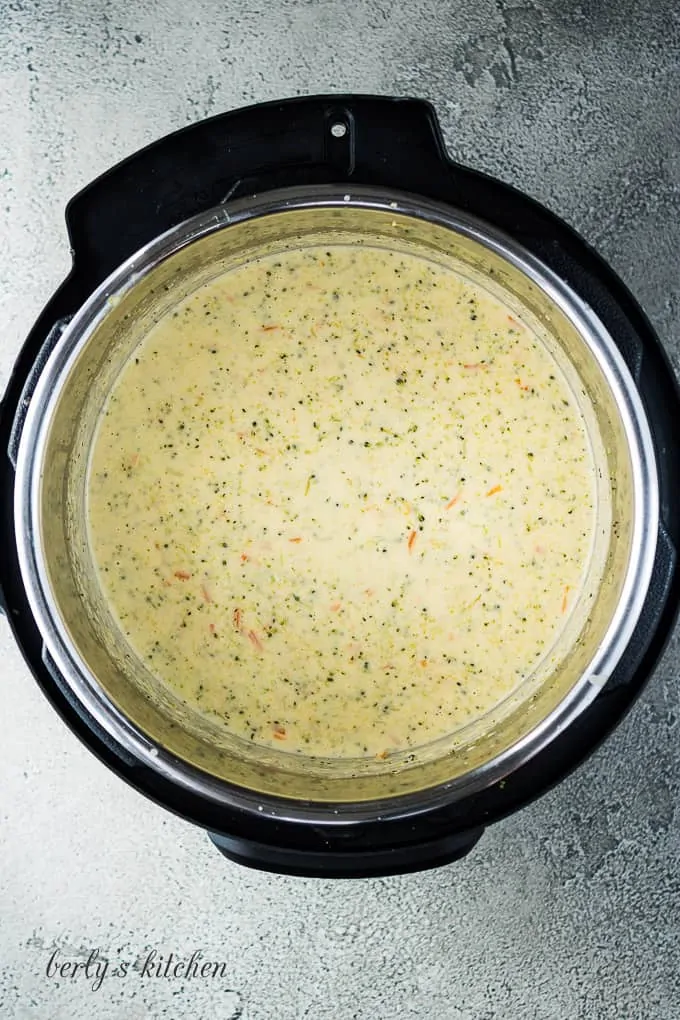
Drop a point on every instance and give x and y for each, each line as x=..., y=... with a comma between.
x=569, y=910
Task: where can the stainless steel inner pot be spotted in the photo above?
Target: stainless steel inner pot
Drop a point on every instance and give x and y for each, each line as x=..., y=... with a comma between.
x=81, y=638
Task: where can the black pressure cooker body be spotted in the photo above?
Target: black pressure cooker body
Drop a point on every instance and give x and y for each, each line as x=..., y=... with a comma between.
x=369, y=141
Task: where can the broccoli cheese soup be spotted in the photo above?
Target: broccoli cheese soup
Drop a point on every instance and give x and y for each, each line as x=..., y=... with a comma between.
x=341, y=500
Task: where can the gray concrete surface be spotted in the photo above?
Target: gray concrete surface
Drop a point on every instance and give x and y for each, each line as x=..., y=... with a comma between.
x=568, y=911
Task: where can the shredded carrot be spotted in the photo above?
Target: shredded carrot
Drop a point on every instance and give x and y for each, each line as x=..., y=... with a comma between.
x=423, y=662
x=296, y=540
x=411, y=540
x=494, y=490
x=244, y=558
x=268, y=329
x=279, y=732
x=513, y=320
x=474, y=365
x=369, y=591
x=254, y=640
x=212, y=628
x=382, y=755
x=522, y=386
x=335, y=607
x=237, y=619
x=183, y=575
x=565, y=598
x=452, y=502
x=205, y=593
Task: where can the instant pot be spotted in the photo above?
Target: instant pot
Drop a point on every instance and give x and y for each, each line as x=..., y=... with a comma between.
x=211, y=197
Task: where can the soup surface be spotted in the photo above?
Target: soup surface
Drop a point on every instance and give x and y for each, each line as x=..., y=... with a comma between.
x=341, y=500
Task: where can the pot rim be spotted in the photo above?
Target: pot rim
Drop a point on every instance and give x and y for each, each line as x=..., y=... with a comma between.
x=76, y=335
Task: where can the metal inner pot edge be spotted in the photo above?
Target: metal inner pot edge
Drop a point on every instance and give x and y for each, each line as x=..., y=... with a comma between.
x=78, y=629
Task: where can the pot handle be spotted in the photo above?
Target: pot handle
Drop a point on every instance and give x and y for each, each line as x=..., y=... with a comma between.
x=366, y=140
x=329, y=863
x=50, y=343
x=326, y=139
x=657, y=604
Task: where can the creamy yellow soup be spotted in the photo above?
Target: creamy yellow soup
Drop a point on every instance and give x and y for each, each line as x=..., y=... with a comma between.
x=342, y=501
